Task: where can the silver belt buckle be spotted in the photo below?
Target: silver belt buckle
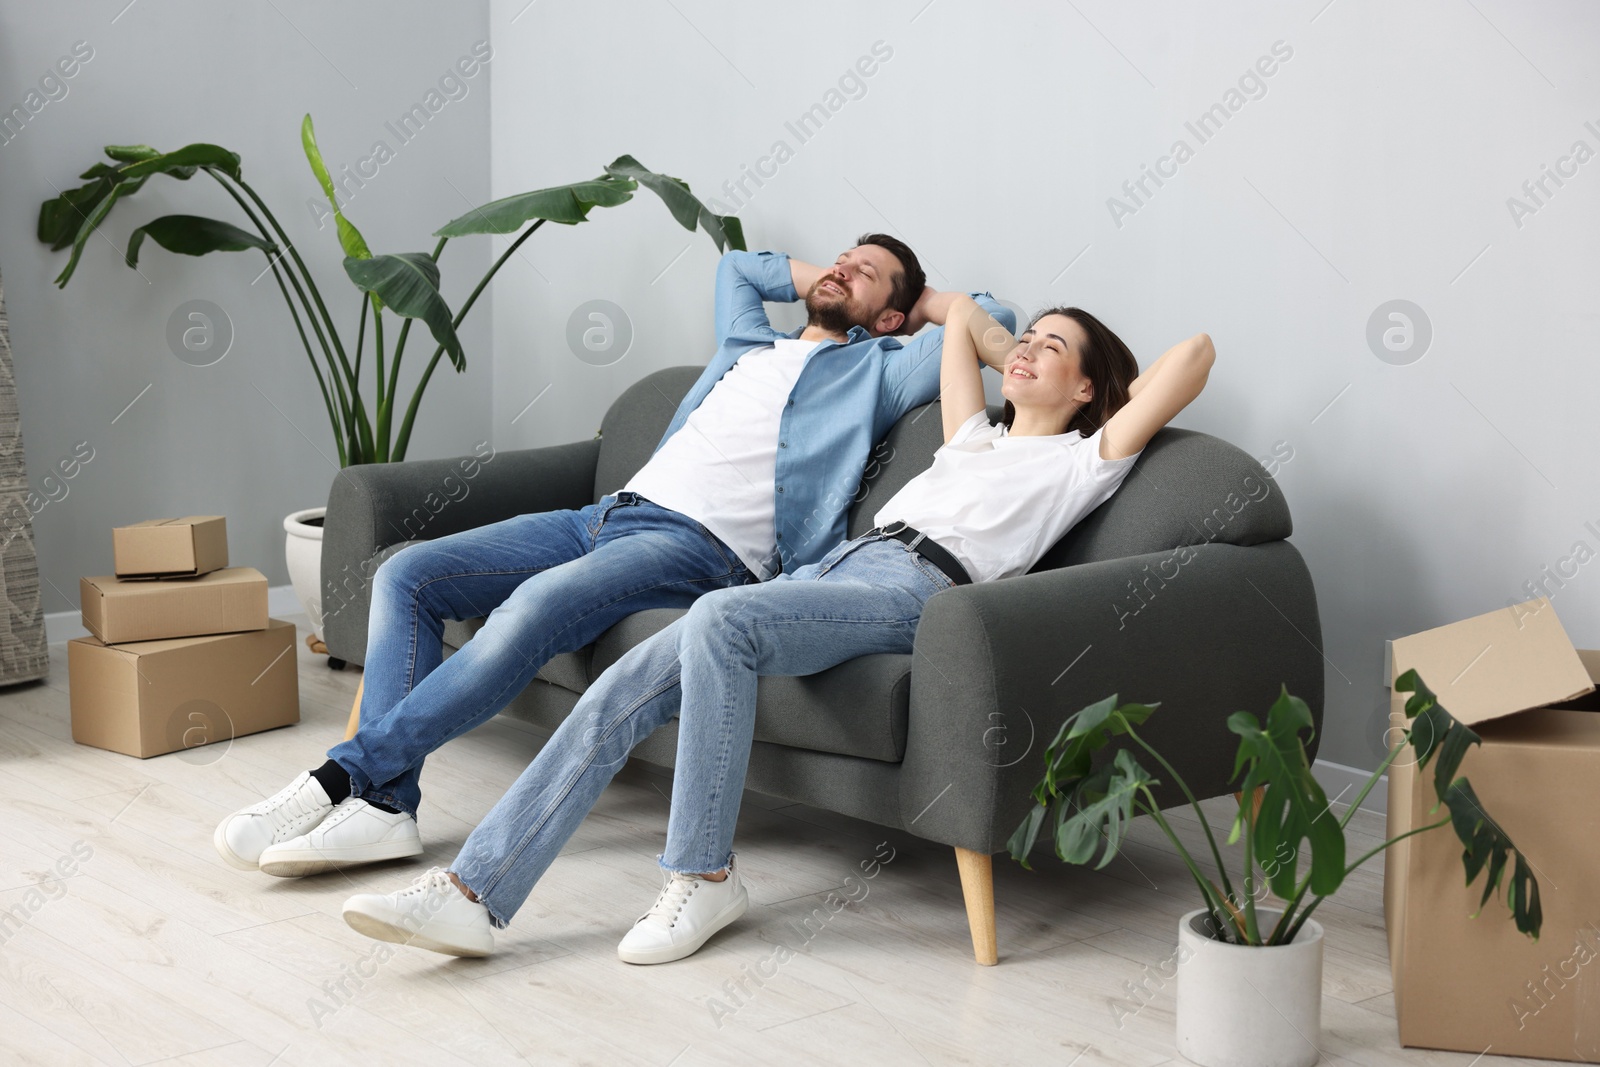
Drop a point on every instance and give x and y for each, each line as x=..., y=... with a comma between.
x=893, y=528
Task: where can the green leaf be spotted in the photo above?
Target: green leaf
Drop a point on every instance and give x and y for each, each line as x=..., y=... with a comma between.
x=194, y=235
x=409, y=283
x=72, y=217
x=1068, y=759
x=61, y=218
x=1489, y=846
x=1102, y=809
x=182, y=163
x=683, y=204
x=566, y=204
x=101, y=169
x=1434, y=731
x=130, y=153
x=1294, y=808
x=1022, y=839
x=1069, y=756
x=350, y=238
x=86, y=228
x=734, y=229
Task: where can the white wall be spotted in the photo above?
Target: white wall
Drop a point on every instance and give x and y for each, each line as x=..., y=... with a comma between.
x=1377, y=166
x=247, y=437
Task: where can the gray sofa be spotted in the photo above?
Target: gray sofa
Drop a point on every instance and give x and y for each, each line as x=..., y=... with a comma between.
x=1180, y=589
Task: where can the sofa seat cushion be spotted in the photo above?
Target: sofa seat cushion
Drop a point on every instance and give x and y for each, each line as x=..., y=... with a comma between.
x=858, y=708
x=570, y=670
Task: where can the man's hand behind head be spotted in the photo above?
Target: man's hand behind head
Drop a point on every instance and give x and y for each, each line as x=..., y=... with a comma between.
x=931, y=307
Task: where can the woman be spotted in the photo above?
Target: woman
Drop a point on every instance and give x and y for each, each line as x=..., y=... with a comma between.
x=994, y=500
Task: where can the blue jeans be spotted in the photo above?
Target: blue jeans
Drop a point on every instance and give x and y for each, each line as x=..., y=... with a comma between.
x=865, y=596
x=549, y=583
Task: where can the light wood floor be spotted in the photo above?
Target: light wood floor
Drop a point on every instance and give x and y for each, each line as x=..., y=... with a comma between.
x=155, y=951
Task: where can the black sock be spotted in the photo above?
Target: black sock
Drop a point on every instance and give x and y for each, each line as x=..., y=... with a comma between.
x=334, y=779
x=335, y=782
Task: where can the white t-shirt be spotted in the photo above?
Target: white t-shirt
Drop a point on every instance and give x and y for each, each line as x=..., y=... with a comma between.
x=720, y=467
x=997, y=502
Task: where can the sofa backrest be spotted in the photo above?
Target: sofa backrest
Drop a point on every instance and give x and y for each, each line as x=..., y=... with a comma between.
x=1187, y=488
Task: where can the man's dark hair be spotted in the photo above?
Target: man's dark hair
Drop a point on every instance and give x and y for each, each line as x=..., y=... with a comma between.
x=909, y=283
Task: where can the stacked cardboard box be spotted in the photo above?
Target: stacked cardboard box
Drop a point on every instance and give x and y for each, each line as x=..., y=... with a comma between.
x=1475, y=984
x=183, y=653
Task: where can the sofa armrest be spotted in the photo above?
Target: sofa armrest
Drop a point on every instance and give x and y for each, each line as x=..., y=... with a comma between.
x=374, y=506
x=1000, y=665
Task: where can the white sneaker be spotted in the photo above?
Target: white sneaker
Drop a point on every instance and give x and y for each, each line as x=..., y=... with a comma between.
x=355, y=833
x=298, y=808
x=686, y=914
x=431, y=914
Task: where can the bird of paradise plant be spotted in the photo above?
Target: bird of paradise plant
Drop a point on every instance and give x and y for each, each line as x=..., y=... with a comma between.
x=405, y=283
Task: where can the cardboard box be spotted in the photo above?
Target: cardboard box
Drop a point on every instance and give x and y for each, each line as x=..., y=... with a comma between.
x=1477, y=984
x=224, y=601
x=152, y=697
x=170, y=548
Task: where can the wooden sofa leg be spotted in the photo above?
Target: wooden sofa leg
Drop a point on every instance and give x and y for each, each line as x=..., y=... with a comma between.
x=977, y=886
x=355, y=712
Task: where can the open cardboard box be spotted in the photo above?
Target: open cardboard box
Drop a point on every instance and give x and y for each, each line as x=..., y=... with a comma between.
x=1477, y=984
x=151, y=697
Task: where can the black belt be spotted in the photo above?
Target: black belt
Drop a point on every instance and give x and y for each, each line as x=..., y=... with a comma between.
x=928, y=549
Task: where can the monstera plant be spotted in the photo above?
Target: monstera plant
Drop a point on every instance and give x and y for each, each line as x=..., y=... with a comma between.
x=405, y=283
x=1249, y=972
x=1089, y=809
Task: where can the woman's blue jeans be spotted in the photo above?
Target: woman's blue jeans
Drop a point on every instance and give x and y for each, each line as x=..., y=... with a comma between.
x=863, y=597
x=549, y=582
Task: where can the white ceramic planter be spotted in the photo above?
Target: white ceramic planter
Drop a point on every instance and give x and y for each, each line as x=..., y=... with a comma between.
x=302, y=551
x=1249, y=1007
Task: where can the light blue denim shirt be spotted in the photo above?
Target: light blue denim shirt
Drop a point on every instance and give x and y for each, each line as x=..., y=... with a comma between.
x=846, y=400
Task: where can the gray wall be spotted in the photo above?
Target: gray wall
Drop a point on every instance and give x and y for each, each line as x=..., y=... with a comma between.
x=247, y=437
x=1374, y=164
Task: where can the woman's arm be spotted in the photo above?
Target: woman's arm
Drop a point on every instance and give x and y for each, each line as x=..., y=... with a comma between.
x=1162, y=391
x=1144, y=378
x=970, y=333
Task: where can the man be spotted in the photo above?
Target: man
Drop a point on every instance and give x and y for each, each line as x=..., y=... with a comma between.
x=754, y=476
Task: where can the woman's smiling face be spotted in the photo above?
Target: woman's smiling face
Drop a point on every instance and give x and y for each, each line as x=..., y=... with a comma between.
x=1045, y=369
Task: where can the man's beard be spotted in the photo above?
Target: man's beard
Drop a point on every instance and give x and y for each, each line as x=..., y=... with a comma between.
x=833, y=317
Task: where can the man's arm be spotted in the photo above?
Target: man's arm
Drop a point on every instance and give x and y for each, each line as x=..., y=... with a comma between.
x=931, y=307
x=912, y=374
x=744, y=281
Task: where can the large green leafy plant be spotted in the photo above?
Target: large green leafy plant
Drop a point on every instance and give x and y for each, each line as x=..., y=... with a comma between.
x=405, y=283
x=1089, y=809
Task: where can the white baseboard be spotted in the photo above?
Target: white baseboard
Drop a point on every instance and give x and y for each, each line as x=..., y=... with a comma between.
x=62, y=626
x=1338, y=780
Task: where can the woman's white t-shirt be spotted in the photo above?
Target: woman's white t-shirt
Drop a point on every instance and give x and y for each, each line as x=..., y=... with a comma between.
x=997, y=502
